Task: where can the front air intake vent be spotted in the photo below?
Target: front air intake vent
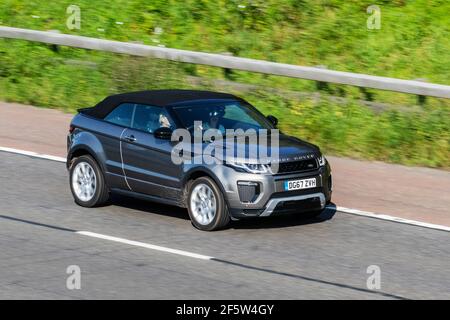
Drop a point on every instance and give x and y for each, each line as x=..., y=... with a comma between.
x=248, y=191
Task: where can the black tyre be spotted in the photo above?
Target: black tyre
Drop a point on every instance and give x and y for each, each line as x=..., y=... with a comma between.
x=206, y=205
x=87, y=182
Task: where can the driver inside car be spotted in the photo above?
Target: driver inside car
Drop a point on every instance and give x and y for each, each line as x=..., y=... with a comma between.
x=164, y=121
x=214, y=121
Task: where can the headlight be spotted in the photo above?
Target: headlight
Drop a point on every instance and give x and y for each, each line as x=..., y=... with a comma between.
x=322, y=161
x=249, y=167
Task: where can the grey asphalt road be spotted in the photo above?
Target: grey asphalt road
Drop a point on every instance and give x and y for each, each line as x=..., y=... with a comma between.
x=276, y=258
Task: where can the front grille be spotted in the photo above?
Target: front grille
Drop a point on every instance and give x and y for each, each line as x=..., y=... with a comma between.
x=297, y=166
x=297, y=206
x=292, y=193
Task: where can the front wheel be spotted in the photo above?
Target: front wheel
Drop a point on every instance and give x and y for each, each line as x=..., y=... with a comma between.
x=87, y=182
x=206, y=205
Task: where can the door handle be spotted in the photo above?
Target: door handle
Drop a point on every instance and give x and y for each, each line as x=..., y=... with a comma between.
x=130, y=138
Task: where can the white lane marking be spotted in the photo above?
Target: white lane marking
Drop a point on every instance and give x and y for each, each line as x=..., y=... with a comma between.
x=390, y=218
x=144, y=245
x=33, y=154
x=341, y=209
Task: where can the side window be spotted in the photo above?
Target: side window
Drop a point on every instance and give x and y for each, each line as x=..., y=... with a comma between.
x=149, y=118
x=121, y=115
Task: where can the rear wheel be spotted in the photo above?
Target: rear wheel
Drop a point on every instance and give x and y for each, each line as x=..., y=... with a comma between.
x=206, y=205
x=87, y=182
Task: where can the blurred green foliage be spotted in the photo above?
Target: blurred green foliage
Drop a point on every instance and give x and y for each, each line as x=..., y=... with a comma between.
x=413, y=42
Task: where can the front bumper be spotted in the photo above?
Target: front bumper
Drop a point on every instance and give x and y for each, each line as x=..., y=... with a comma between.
x=277, y=205
x=271, y=198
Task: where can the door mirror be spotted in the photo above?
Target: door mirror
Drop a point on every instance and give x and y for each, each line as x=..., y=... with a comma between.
x=273, y=120
x=163, y=133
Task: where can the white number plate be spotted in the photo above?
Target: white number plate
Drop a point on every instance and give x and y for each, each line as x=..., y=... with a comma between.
x=299, y=184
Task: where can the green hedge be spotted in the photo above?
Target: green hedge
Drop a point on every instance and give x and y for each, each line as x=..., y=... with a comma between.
x=413, y=42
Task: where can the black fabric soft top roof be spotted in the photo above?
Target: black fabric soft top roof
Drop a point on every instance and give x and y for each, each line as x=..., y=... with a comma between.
x=160, y=98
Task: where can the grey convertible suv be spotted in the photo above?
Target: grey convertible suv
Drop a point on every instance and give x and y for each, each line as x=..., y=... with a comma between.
x=127, y=142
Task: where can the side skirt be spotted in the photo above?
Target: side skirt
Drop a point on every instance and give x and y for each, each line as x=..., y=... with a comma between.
x=146, y=197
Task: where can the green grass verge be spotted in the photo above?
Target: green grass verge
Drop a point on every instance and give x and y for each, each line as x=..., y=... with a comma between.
x=413, y=42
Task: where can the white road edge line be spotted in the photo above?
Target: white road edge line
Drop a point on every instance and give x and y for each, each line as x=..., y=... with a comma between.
x=145, y=245
x=338, y=208
x=386, y=217
x=33, y=154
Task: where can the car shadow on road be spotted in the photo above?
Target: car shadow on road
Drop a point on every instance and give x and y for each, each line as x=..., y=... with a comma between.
x=149, y=206
x=283, y=221
x=251, y=223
